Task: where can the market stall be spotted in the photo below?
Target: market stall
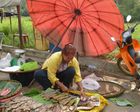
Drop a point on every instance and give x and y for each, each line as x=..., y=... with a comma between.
x=53, y=100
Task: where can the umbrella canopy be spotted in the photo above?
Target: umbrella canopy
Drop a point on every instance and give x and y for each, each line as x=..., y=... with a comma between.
x=88, y=24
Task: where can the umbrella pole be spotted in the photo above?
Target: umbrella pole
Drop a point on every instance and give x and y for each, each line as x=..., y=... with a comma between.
x=77, y=56
x=62, y=35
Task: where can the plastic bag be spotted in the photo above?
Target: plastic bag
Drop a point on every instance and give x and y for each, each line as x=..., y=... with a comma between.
x=90, y=84
x=5, y=62
x=29, y=66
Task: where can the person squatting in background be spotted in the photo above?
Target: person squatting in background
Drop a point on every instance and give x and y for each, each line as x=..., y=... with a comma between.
x=60, y=69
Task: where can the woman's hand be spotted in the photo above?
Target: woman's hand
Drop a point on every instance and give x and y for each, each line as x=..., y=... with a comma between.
x=62, y=86
x=83, y=96
x=81, y=88
x=82, y=93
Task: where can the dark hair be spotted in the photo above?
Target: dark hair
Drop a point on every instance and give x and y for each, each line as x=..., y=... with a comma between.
x=69, y=49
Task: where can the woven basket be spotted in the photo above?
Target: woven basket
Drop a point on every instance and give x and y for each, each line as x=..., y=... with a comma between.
x=2, y=109
x=109, y=89
x=15, y=87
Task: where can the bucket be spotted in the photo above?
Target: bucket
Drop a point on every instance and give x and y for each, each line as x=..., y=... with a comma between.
x=19, y=52
x=24, y=78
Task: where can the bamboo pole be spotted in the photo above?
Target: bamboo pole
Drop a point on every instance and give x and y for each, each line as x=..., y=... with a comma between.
x=19, y=27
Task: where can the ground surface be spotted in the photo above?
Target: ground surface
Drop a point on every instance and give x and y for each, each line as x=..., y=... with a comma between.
x=109, y=71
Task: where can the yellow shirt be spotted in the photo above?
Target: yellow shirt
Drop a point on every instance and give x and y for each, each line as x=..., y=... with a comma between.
x=52, y=64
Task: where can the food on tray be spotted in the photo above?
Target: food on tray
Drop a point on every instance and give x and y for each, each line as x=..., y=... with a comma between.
x=5, y=91
x=72, y=101
x=88, y=103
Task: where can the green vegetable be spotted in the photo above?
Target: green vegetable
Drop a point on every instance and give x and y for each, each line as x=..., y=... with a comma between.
x=32, y=92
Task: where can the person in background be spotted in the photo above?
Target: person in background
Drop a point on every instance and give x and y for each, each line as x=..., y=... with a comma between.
x=60, y=69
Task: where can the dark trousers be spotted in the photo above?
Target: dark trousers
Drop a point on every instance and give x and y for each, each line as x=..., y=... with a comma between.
x=66, y=77
x=137, y=60
x=133, y=54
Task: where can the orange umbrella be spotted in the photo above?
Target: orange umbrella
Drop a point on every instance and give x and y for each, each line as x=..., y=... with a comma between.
x=88, y=24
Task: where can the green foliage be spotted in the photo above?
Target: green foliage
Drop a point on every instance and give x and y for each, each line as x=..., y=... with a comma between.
x=136, y=14
x=6, y=30
x=136, y=34
x=26, y=28
x=24, y=11
x=129, y=7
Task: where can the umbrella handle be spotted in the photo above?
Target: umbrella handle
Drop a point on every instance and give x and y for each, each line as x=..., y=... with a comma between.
x=62, y=36
x=66, y=30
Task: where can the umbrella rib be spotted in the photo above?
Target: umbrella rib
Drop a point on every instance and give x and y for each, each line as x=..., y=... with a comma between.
x=106, y=44
x=100, y=19
x=96, y=32
x=45, y=11
x=49, y=19
x=82, y=38
x=75, y=31
x=98, y=25
x=104, y=12
x=77, y=3
x=92, y=3
x=57, y=26
x=64, y=3
x=47, y=3
x=71, y=6
x=82, y=4
x=98, y=10
x=62, y=36
x=90, y=36
x=73, y=3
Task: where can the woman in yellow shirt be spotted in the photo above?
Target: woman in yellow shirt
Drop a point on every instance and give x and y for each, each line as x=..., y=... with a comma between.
x=60, y=69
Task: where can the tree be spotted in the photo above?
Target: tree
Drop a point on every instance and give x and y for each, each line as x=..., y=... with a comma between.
x=24, y=11
x=129, y=7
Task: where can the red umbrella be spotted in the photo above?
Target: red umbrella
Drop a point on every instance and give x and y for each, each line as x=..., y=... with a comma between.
x=88, y=24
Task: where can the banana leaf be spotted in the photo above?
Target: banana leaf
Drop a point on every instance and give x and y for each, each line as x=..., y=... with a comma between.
x=32, y=92
x=36, y=94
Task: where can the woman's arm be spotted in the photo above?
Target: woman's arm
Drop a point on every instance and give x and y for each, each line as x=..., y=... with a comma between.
x=61, y=86
x=80, y=87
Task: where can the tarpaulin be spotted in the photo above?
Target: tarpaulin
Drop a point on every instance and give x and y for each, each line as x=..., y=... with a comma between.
x=7, y=3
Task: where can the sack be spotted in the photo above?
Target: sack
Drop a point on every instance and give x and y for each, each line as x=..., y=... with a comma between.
x=29, y=66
